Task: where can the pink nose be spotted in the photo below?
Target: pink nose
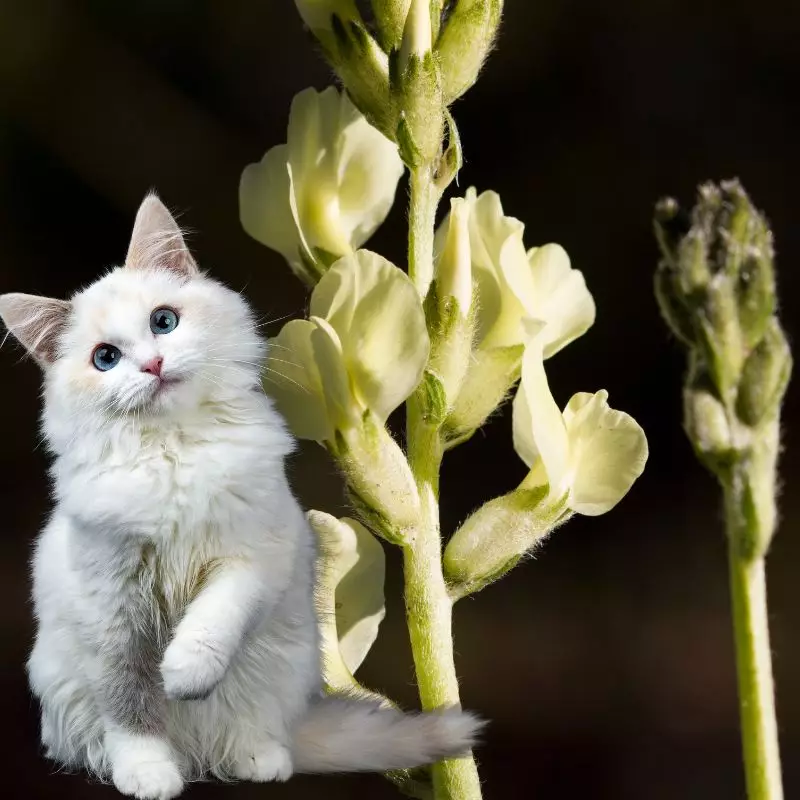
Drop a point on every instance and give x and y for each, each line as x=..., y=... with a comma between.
x=153, y=366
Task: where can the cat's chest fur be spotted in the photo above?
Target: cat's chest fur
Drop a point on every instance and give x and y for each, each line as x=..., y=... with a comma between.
x=182, y=486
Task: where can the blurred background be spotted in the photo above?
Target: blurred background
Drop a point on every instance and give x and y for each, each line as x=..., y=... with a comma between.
x=605, y=664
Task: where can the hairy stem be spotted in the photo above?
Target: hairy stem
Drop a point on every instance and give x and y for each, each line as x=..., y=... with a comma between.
x=753, y=658
x=428, y=605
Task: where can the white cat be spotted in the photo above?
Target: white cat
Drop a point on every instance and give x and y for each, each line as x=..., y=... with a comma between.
x=173, y=583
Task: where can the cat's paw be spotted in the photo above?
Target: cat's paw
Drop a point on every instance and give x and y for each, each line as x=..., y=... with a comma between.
x=268, y=761
x=193, y=665
x=142, y=767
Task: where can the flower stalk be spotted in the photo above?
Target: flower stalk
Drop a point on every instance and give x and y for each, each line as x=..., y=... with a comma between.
x=753, y=656
x=716, y=289
x=450, y=338
x=429, y=608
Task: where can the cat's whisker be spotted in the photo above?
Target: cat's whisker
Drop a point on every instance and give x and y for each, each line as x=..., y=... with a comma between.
x=267, y=376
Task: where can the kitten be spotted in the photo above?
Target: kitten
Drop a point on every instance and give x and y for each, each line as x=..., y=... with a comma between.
x=173, y=583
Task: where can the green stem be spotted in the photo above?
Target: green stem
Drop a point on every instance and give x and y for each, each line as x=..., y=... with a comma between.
x=753, y=658
x=428, y=605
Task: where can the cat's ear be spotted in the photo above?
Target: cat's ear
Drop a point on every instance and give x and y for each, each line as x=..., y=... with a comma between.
x=157, y=241
x=37, y=322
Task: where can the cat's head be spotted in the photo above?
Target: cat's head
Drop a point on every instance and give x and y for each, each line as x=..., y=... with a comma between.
x=150, y=338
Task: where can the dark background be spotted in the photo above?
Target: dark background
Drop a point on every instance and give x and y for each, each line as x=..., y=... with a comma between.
x=606, y=663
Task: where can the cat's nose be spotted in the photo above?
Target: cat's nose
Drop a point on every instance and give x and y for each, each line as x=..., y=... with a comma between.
x=153, y=366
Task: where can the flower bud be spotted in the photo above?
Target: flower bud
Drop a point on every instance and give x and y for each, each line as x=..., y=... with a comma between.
x=496, y=536
x=390, y=19
x=364, y=69
x=453, y=257
x=672, y=305
x=491, y=374
x=721, y=335
x=707, y=427
x=764, y=378
x=464, y=42
x=417, y=35
x=421, y=124
x=381, y=486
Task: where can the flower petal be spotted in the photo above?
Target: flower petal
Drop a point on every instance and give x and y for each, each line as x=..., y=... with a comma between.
x=368, y=170
x=559, y=297
x=608, y=452
x=539, y=430
x=500, y=268
x=264, y=203
x=359, y=595
x=376, y=312
x=293, y=380
x=349, y=596
x=343, y=408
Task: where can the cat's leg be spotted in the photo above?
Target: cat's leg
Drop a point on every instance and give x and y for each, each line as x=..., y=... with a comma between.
x=142, y=760
x=127, y=630
x=71, y=725
x=214, y=626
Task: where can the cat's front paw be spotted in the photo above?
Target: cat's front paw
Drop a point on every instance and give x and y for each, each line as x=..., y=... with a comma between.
x=268, y=761
x=193, y=665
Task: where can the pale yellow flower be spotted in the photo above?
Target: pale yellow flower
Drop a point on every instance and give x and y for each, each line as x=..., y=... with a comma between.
x=323, y=193
x=349, y=597
x=364, y=348
x=515, y=285
x=589, y=453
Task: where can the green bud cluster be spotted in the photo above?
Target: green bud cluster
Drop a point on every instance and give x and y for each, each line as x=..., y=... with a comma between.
x=715, y=286
x=407, y=63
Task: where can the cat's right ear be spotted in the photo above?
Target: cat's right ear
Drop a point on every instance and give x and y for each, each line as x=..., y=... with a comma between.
x=157, y=241
x=36, y=322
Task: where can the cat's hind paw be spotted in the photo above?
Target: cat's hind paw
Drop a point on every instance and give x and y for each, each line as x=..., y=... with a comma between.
x=269, y=761
x=142, y=768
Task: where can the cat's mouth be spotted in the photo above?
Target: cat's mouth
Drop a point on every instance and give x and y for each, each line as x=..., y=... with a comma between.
x=163, y=384
x=166, y=383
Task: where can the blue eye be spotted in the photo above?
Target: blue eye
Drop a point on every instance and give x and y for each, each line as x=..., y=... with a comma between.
x=163, y=320
x=106, y=357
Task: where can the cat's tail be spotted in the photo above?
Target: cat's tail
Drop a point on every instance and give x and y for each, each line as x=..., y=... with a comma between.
x=351, y=734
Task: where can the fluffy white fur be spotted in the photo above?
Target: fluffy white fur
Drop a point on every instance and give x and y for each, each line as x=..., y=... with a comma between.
x=173, y=583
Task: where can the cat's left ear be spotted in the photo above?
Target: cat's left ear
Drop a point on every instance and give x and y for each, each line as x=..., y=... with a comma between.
x=157, y=241
x=37, y=322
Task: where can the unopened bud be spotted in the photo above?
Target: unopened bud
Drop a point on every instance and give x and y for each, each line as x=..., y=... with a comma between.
x=390, y=20
x=764, y=378
x=491, y=374
x=421, y=125
x=722, y=339
x=454, y=262
x=364, y=69
x=707, y=427
x=464, y=42
x=496, y=536
x=672, y=304
x=381, y=485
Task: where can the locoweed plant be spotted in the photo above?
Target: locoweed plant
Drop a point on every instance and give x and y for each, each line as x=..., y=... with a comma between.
x=474, y=315
x=715, y=285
